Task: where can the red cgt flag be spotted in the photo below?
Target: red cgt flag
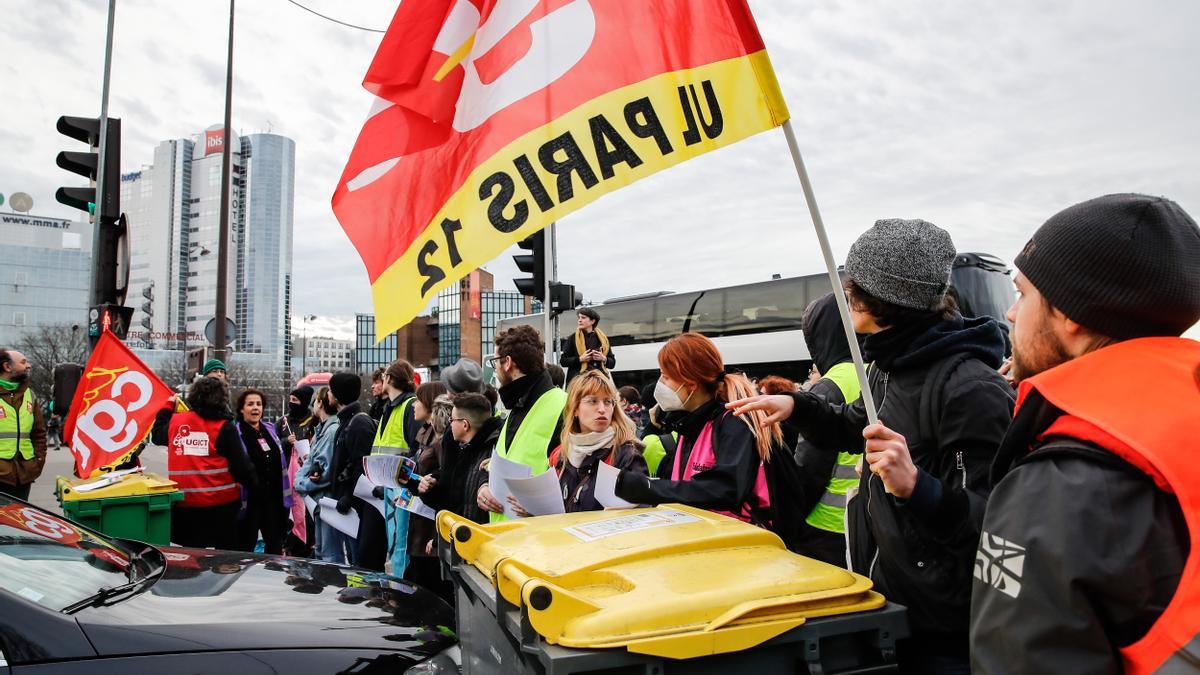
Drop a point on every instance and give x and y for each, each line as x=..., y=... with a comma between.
x=494, y=118
x=114, y=407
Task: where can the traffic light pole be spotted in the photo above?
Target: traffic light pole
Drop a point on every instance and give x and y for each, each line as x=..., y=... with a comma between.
x=551, y=272
x=97, y=287
x=223, y=244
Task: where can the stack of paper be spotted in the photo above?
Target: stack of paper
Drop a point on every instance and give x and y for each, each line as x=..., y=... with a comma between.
x=391, y=471
x=345, y=523
x=606, y=488
x=539, y=495
x=500, y=471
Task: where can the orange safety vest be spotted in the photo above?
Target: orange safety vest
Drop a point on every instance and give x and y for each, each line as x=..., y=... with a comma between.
x=1154, y=433
x=192, y=461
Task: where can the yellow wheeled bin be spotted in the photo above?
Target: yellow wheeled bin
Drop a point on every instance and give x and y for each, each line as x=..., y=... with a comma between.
x=671, y=590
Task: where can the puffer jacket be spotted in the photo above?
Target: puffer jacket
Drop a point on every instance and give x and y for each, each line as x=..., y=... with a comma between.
x=935, y=383
x=320, y=455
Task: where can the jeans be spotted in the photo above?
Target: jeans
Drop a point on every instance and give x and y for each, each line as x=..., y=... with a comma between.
x=333, y=545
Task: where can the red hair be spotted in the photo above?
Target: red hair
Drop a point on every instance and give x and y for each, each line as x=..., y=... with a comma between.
x=694, y=361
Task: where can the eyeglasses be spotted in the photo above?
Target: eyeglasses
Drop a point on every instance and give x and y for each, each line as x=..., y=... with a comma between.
x=460, y=419
x=592, y=401
x=492, y=360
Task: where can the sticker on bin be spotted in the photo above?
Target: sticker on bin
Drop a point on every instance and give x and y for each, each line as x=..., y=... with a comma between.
x=633, y=522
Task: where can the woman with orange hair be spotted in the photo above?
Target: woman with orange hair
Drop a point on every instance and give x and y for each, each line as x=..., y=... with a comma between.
x=718, y=461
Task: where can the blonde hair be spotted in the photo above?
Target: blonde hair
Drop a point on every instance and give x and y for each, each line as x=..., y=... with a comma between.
x=692, y=359
x=592, y=383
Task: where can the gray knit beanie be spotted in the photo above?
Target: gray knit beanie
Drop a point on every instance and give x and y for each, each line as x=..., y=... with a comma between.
x=904, y=262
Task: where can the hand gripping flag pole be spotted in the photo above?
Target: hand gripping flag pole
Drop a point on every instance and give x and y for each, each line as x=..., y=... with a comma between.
x=839, y=293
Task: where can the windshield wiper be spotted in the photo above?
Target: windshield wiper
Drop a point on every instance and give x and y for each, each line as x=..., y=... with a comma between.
x=107, y=593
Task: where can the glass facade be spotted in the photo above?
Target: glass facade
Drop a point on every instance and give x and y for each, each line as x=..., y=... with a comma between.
x=498, y=305
x=449, y=324
x=41, y=287
x=367, y=355
x=265, y=247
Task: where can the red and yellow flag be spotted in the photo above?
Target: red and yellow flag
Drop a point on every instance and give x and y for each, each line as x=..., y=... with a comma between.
x=494, y=118
x=114, y=407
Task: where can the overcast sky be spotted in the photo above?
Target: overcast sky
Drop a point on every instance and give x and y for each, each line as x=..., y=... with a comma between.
x=982, y=117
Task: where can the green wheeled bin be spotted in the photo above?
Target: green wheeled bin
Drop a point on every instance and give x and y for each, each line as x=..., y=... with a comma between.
x=136, y=507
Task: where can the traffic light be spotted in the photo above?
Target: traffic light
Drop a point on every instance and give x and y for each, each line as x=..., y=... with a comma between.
x=66, y=379
x=113, y=318
x=87, y=129
x=195, y=361
x=148, y=306
x=534, y=264
x=563, y=298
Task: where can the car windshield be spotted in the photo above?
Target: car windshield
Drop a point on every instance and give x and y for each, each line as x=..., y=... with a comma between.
x=48, y=560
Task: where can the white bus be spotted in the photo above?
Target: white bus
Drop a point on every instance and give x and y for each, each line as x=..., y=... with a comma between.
x=756, y=326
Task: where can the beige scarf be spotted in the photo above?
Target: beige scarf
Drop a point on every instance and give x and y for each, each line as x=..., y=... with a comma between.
x=581, y=346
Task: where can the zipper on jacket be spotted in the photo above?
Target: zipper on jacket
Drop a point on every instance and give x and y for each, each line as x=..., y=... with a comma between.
x=961, y=467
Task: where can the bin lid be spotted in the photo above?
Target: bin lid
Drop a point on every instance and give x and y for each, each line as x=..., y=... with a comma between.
x=671, y=581
x=128, y=486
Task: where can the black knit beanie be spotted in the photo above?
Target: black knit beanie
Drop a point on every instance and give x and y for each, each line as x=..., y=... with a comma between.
x=345, y=387
x=304, y=393
x=1123, y=265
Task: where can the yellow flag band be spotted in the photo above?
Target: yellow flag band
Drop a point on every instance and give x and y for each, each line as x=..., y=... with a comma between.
x=607, y=143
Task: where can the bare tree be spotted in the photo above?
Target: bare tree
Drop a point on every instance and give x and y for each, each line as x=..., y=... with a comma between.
x=174, y=370
x=47, y=346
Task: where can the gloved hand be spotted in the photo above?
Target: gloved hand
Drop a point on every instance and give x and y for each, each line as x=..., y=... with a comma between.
x=377, y=492
x=343, y=504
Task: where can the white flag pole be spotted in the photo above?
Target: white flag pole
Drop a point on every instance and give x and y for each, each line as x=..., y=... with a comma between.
x=839, y=293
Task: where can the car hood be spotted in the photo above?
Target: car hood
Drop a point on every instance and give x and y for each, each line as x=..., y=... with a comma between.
x=221, y=600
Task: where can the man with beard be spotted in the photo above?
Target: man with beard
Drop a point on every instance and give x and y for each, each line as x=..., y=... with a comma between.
x=22, y=428
x=535, y=407
x=1085, y=563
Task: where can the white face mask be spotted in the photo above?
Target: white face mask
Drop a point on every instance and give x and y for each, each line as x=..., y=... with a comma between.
x=668, y=399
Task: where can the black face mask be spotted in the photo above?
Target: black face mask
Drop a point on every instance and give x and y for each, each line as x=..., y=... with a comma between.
x=297, y=410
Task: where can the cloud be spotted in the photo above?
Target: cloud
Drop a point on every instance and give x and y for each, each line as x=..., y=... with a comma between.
x=984, y=117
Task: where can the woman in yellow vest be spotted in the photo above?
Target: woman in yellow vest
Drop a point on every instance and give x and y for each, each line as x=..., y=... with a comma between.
x=386, y=535
x=588, y=349
x=832, y=470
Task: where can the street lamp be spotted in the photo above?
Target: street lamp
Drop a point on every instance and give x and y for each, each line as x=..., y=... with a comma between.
x=304, y=337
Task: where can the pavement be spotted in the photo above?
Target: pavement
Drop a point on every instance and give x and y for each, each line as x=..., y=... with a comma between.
x=61, y=463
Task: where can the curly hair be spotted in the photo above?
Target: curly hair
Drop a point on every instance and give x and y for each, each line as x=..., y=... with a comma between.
x=208, y=393
x=524, y=344
x=887, y=314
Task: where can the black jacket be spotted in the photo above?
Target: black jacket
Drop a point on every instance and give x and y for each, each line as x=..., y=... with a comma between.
x=569, y=355
x=353, y=441
x=724, y=487
x=1080, y=592
x=229, y=445
x=519, y=396
x=579, y=484
x=267, y=463
x=935, y=383
x=459, y=476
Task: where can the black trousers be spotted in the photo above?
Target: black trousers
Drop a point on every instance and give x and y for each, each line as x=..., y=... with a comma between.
x=372, y=544
x=426, y=572
x=18, y=491
x=205, y=526
x=267, y=520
